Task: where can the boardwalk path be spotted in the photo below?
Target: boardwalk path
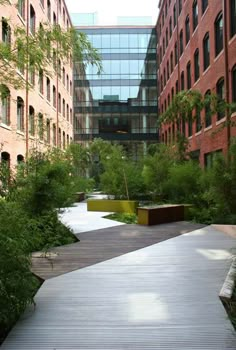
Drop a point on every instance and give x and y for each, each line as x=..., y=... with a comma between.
x=160, y=297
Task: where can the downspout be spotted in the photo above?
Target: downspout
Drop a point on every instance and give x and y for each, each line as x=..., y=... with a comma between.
x=226, y=58
x=27, y=85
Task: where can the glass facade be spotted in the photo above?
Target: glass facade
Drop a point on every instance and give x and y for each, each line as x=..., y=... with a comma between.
x=121, y=103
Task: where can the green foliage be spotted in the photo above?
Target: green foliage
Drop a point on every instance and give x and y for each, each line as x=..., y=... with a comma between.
x=127, y=218
x=156, y=170
x=45, y=185
x=182, y=183
x=121, y=176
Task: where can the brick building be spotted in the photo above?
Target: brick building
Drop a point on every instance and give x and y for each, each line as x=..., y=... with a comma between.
x=42, y=116
x=197, y=50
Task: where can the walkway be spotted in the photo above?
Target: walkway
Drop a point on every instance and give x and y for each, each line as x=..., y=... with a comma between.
x=164, y=296
x=101, y=245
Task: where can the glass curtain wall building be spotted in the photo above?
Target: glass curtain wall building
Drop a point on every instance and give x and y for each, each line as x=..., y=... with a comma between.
x=120, y=104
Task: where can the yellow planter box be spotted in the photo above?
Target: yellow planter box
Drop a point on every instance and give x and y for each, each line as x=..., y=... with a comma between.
x=116, y=206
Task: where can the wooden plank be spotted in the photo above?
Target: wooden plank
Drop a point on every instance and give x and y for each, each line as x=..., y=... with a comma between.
x=100, y=245
x=164, y=296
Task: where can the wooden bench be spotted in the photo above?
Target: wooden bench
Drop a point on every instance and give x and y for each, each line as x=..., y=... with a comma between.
x=160, y=214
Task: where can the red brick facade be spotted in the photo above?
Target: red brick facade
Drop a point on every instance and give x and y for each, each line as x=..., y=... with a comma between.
x=52, y=100
x=205, y=140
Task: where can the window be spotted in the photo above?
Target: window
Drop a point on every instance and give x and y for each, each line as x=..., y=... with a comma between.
x=168, y=70
x=166, y=9
x=59, y=68
x=63, y=76
x=182, y=81
x=41, y=81
x=172, y=93
x=174, y=16
x=176, y=87
x=181, y=44
x=204, y=5
x=67, y=82
x=196, y=65
x=54, y=134
x=59, y=103
x=20, y=114
x=54, y=92
x=40, y=125
x=171, y=62
x=176, y=54
x=232, y=17
x=187, y=30
x=170, y=27
x=190, y=125
x=54, y=19
x=5, y=105
x=167, y=37
x=31, y=120
x=180, y=6
x=48, y=130
x=206, y=51
x=70, y=87
x=6, y=32
x=49, y=10
x=164, y=77
x=32, y=20
x=219, y=34
x=198, y=121
x=67, y=112
x=64, y=15
x=220, y=90
x=234, y=84
x=195, y=14
x=42, y=3
x=64, y=140
x=63, y=107
x=48, y=89
x=71, y=116
x=207, y=109
x=21, y=8
x=189, y=80
x=59, y=138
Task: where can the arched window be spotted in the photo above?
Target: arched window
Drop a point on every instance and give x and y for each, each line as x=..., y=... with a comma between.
x=189, y=80
x=195, y=14
x=54, y=92
x=206, y=51
x=180, y=6
x=168, y=70
x=220, y=90
x=48, y=89
x=232, y=17
x=170, y=27
x=20, y=159
x=204, y=5
x=187, y=30
x=5, y=158
x=41, y=87
x=174, y=16
x=6, y=32
x=31, y=120
x=171, y=62
x=181, y=42
x=40, y=126
x=32, y=20
x=5, y=104
x=21, y=8
x=54, y=19
x=67, y=112
x=63, y=76
x=219, y=34
x=207, y=109
x=20, y=114
x=234, y=84
x=196, y=65
x=182, y=80
x=176, y=54
x=167, y=37
x=48, y=130
x=59, y=102
x=49, y=10
x=63, y=107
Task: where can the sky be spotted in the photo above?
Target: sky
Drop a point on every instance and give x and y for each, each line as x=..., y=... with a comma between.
x=109, y=10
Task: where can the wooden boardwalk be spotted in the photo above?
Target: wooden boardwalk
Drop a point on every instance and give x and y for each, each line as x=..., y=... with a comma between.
x=100, y=245
x=162, y=297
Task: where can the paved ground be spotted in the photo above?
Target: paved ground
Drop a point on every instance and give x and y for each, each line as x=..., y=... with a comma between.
x=164, y=296
x=100, y=245
x=81, y=220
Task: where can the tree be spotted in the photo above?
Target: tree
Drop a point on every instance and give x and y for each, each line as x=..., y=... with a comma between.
x=41, y=51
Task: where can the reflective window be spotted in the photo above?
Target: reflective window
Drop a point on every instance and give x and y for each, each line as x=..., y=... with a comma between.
x=234, y=84
x=196, y=65
x=195, y=14
x=206, y=51
x=219, y=34
x=232, y=17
